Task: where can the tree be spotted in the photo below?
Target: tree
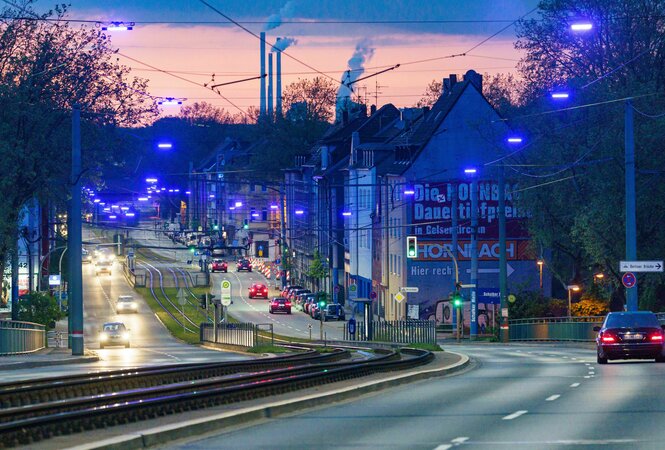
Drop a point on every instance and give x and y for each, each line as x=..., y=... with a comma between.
x=431, y=95
x=310, y=100
x=46, y=67
x=205, y=113
x=39, y=307
x=571, y=173
x=317, y=270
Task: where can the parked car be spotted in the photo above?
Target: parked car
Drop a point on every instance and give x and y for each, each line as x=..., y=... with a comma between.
x=332, y=311
x=630, y=335
x=244, y=264
x=86, y=256
x=296, y=292
x=219, y=265
x=302, y=299
x=126, y=303
x=307, y=306
x=279, y=304
x=114, y=333
x=289, y=288
x=258, y=290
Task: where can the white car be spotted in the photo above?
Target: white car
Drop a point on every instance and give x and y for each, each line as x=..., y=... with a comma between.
x=127, y=304
x=103, y=267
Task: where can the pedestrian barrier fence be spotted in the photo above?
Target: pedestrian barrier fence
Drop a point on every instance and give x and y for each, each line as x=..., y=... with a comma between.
x=396, y=331
x=240, y=334
x=21, y=337
x=555, y=328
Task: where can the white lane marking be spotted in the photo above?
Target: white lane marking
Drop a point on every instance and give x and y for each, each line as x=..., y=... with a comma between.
x=592, y=368
x=587, y=364
x=587, y=376
x=515, y=415
x=574, y=385
x=551, y=398
x=459, y=440
x=443, y=447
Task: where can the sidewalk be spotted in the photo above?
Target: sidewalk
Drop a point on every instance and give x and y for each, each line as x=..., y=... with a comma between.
x=45, y=357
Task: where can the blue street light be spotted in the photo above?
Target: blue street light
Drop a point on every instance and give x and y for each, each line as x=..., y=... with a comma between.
x=96, y=200
x=560, y=95
x=409, y=191
x=170, y=101
x=118, y=26
x=346, y=213
x=273, y=206
x=165, y=145
x=581, y=25
x=238, y=204
x=299, y=212
x=514, y=140
x=470, y=170
x=143, y=199
x=151, y=180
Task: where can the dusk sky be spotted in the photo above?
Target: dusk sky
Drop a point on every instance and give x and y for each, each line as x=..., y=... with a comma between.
x=193, y=41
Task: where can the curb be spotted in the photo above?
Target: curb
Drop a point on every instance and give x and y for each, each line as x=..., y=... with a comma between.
x=223, y=421
x=57, y=362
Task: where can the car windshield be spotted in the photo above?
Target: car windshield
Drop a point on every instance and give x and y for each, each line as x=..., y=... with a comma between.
x=631, y=321
x=114, y=327
x=125, y=299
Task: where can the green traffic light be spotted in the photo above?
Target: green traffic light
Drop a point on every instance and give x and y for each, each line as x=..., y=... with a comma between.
x=246, y=226
x=216, y=227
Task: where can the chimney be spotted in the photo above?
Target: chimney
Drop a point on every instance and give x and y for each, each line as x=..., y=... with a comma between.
x=355, y=142
x=372, y=110
x=425, y=111
x=278, y=88
x=270, y=110
x=445, y=87
x=453, y=80
x=262, y=107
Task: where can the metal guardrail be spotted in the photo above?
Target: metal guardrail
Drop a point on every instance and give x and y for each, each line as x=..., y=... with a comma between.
x=555, y=328
x=397, y=331
x=240, y=334
x=21, y=337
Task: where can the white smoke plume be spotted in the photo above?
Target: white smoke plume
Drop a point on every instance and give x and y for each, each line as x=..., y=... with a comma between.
x=283, y=43
x=275, y=20
x=361, y=55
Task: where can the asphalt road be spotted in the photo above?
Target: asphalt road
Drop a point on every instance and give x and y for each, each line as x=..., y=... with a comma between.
x=517, y=397
x=244, y=309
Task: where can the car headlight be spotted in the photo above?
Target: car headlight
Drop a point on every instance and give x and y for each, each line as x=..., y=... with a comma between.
x=133, y=305
x=103, y=336
x=125, y=336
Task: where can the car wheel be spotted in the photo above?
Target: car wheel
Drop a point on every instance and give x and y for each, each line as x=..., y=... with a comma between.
x=289, y=311
x=250, y=270
x=601, y=360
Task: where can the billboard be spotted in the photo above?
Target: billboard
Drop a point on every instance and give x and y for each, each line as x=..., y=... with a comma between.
x=432, y=210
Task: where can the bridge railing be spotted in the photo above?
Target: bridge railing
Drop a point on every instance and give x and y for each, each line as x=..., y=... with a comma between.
x=21, y=337
x=555, y=328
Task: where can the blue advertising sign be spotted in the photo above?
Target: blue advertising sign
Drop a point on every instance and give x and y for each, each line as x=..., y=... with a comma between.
x=489, y=296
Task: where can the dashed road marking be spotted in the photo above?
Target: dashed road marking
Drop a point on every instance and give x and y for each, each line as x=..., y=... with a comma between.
x=551, y=398
x=515, y=415
x=459, y=440
x=574, y=385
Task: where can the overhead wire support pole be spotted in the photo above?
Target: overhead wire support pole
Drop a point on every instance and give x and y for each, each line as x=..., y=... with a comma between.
x=503, y=277
x=631, y=226
x=75, y=240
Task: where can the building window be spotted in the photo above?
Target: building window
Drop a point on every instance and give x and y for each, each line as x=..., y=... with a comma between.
x=264, y=214
x=251, y=187
x=263, y=188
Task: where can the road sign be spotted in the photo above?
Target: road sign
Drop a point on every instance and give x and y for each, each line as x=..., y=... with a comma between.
x=54, y=280
x=408, y=289
x=413, y=312
x=489, y=296
x=353, y=292
x=182, y=297
x=226, y=292
x=640, y=266
x=629, y=279
x=372, y=295
x=399, y=297
x=512, y=298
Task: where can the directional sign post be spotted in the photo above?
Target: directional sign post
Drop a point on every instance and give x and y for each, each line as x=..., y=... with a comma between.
x=226, y=296
x=407, y=289
x=640, y=266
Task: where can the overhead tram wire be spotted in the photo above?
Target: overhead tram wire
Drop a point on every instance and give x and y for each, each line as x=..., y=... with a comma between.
x=166, y=72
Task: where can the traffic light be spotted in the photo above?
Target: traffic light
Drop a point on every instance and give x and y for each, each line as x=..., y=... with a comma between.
x=411, y=247
x=322, y=300
x=192, y=248
x=245, y=224
x=457, y=299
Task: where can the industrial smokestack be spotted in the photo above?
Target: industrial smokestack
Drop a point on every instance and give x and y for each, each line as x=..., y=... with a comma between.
x=278, y=88
x=262, y=107
x=270, y=110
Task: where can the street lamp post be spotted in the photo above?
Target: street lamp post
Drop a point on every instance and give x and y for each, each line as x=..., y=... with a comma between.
x=473, y=319
x=571, y=288
x=540, y=263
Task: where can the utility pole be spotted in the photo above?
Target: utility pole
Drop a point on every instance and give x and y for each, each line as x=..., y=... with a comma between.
x=15, y=278
x=503, y=277
x=474, y=260
x=75, y=240
x=631, y=231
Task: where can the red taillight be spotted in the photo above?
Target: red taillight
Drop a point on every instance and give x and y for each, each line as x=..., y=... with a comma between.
x=288, y=303
x=657, y=337
x=607, y=338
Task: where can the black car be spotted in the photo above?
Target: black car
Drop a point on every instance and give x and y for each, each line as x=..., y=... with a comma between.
x=279, y=304
x=630, y=335
x=333, y=311
x=244, y=264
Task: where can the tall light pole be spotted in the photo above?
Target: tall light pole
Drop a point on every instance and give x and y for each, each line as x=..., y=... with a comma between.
x=473, y=319
x=631, y=231
x=75, y=240
x=540, y=263
x=503, y=274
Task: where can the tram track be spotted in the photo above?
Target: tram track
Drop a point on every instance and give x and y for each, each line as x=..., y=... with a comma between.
x=42, y=409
